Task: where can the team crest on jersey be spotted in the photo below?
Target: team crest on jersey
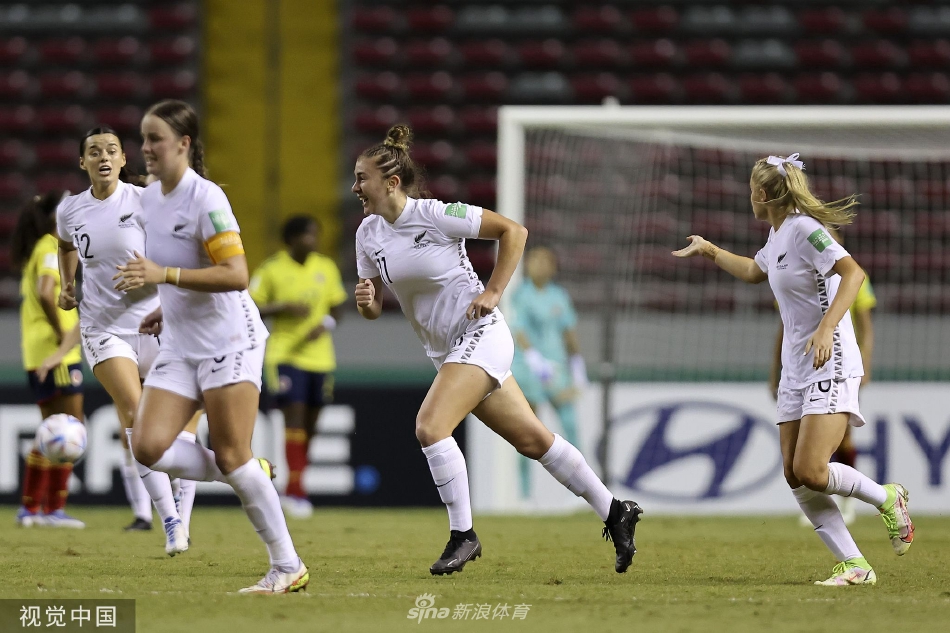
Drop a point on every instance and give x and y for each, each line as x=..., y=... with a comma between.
x=456, y=210
x=418, y=240
x=779, y=265
x=124, y=221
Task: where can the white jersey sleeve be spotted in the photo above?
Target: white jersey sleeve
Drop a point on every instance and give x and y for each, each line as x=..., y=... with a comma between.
x=62, y=220
x=455, y=220
x=817, y=247
x=215, y=214
x=762, y=257
x=366, y=268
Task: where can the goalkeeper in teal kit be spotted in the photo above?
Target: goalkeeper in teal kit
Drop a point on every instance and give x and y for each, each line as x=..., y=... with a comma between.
x=547, y=365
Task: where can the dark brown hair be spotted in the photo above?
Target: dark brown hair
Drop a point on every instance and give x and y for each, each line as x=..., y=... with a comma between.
x=125, y=174
x=393, y=159
x=36, y=219
x=183, y=119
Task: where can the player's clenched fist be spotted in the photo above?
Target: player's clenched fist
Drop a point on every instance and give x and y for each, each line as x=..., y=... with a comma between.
x=365, y=293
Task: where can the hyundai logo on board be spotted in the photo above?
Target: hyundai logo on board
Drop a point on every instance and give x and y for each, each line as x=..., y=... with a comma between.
x=681, y=451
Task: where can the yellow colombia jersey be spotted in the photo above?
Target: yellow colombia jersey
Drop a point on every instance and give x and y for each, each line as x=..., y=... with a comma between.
x=316, y=283
x=865, y=300
x=39, y=341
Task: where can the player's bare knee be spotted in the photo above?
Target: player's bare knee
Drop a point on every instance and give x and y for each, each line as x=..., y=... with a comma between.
x=812, y=476
x=790, y=477
x=144, y=453
x=230, y=459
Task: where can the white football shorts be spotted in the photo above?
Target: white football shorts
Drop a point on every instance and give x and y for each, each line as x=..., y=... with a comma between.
x=827, y=396
x=489, y=346
x=98, y=347
x=190, y=378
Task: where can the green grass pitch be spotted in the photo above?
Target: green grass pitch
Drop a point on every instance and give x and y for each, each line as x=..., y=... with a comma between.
x=369, y=566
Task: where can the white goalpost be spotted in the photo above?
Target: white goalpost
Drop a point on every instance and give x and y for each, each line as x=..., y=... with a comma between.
x=612, y=190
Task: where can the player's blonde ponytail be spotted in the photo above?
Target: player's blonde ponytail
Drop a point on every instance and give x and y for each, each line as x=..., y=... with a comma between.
x=790, y=191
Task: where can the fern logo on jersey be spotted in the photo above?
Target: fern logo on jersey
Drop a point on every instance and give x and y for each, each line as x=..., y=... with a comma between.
x=694, y=450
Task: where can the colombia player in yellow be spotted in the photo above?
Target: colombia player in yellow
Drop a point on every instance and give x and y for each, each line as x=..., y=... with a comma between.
x=43, y=326
x=302, y=291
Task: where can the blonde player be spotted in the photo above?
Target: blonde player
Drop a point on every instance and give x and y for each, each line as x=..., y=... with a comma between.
x=213, y=342
x=815, y=281
x=43, y=327
x=417, y=248
x=101, y=227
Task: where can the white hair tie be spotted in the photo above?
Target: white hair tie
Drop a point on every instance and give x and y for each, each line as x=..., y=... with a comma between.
x=779, y=163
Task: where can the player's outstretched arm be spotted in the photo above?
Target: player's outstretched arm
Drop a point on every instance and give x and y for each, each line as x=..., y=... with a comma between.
x=740, y=267
x=369, y=298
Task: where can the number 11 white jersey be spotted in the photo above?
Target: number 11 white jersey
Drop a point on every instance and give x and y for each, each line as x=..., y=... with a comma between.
x=421, y=258
x=106, y=233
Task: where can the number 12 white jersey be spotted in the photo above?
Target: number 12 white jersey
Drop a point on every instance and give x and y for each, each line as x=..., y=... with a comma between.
x=106, y=233
x=421, y=258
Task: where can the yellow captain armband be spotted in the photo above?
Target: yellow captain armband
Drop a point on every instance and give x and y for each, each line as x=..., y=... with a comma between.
x=224, y=245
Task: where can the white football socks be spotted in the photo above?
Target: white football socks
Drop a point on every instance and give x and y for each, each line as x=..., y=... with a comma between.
x=189, y=460
x=569, y=467
x=262, y=505
x=135, y=490
x=447, y=465
x=823, y=513
x=848, y=482
x=186, y=488
x=159, y=488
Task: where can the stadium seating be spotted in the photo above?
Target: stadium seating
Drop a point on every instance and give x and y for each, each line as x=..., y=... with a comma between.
x=67, y=66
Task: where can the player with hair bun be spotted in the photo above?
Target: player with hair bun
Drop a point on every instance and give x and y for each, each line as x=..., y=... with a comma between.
x=213, y=337
x=416, y=247
x=815, y=281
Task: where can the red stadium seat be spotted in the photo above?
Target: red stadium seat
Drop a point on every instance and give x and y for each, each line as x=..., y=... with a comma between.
x=875, y=224
x=653, y=54
x=543, y=54
x=878, y=88
x=594, y=88
x=8, y=222
x=484, y=87
x=17, y=120
x=477, y=120
x=378, y=19
x=63, y=52
x=933, y=225
x=482, y=154
x=765, y=88
x=437, y=120
x=658, y=88
x=71, y=181
x=888, y=21
x=173, y=18
x=820, y=54
x=16, y=86
x=379, y=87
x=819, y=88
x=68, y=85
x=68, y=120
x=825, y=21
x=492, y=53
x=482, y=191
x=929, y=54
x=877, y=54
x=714, y=225
x=927, y=88
x=602, y=19
x=127, y=85
x=709, y=88
x=51, y=154
x=433, y=155
x=124, y=120
x=437, y=19
x=662, y=19
x=173, y=85
x=14, y=155
x=429, y=53
x=600, y=54
x=14, y=51
x=13, y=186
x=445, y=188
x=660, y=228
x=714, y=53
x=175, y=51
x=430, y=87
x=117, y=52
x=376, y=121
x=375, y=53
x=482, y=255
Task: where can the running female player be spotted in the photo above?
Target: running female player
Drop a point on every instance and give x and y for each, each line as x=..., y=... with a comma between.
x=43, y=327
x=213, y=343
x=417, y=248
x=101, y=227
x=815, y=281
x=303, y=292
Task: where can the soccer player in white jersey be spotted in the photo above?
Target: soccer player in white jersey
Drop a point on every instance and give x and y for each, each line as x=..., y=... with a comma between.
x=213, y=342
x=416, y=247
x=102, y=227
x=815, y=281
